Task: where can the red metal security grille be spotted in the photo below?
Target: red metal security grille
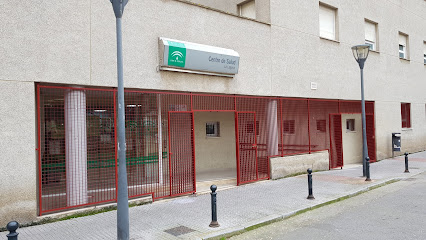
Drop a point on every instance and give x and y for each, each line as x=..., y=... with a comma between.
x=247, y=147
x=295, y=127
x=74, y=173
x=182, y=162
x=77, y=148
x=336, y=141
x=371, y=139
x=319, y=132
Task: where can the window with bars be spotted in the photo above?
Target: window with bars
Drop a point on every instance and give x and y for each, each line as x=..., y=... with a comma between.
x=289, y=126
x=321, y=125
x=406, y=115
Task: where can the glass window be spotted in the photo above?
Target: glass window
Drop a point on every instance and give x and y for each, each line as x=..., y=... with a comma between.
x=371, y=34
x=350, y=125
x=327, y=22
x=248, y=9
x=403, y=45
x=289, y=126
x=321, y=125
x=213, y=129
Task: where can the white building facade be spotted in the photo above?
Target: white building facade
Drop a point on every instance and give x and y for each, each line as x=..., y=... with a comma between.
x=296, y=92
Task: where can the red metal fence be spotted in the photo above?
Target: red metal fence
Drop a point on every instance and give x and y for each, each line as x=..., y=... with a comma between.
x=78, y=146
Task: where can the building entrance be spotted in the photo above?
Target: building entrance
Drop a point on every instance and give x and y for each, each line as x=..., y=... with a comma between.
x=215, y=151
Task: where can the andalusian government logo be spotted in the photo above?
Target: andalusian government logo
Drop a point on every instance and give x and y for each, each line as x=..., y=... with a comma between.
x=177, y=54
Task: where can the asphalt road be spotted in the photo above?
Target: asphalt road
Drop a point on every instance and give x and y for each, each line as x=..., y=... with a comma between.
x=394, y=211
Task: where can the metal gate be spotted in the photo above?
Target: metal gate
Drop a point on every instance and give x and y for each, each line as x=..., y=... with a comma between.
x=181, y=160
x=247, y=166
x=371, y=140
x=336, y=141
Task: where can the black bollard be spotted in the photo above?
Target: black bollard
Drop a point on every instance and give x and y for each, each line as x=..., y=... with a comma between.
x=406, y=162
x=11, y=227
x=367, y=168
x=214, y=222
x=310, y=196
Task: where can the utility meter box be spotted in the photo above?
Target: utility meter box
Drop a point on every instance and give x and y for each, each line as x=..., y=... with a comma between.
x=396, y=142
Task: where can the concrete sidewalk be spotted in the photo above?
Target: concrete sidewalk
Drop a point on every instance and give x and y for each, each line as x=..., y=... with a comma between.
x=238, y=208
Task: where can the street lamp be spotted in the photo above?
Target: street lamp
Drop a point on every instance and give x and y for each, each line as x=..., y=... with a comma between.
x=122, y=192
x=360, y=53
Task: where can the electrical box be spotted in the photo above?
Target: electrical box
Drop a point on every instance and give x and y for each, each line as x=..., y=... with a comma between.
x=396, y=142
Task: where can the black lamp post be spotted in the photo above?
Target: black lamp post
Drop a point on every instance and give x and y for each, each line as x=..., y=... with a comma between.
x=360, y=54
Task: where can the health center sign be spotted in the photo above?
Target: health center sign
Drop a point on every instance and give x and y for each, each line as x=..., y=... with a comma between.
x=189, y=57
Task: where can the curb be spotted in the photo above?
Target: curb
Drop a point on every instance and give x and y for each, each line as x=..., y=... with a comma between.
x=232, y=231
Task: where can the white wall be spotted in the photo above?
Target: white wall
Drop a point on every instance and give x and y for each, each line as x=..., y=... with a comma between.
x=69, y=42
x=214, y=152
x=352, y=141
x=18, y=172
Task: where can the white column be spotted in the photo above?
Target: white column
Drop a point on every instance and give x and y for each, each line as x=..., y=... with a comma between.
x=160, y=140
x=272, y=126
x=76, y=147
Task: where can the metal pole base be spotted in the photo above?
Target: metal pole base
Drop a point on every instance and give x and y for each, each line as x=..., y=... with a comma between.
x=310, y=197
x=367, y=179
x=214, y=224
x=406, y=171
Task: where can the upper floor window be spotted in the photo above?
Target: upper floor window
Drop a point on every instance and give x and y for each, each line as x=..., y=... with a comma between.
x=327, y=22
x=406, y=115
x=247, y=9
x=403, y=45
x=371, y=34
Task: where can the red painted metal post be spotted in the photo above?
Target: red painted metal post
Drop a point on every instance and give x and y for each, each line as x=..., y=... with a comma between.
x=255, y=147
x=193, y=152
x=170, y=155
x=309, y=125
x=40, y=193
x=330, y=159
x=237, y=147
x=115, y=144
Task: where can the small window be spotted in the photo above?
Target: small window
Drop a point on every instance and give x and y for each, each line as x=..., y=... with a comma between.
x=289, y=126
x=250, y=127
x=406, y=115
x=213, y=129
x=403, y=46
x=371, y=34
x=327, y=22
x=247, y=9
x=321, y=125
x=350, y=125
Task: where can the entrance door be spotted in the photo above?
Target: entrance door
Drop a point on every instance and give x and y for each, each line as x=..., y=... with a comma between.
x=181, y=160
x=247, y=166
x=336, y=144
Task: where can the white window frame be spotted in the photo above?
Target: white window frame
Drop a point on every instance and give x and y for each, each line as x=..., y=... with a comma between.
x=326, y=11
x=245, y=3
x=403, y=42
x=371, y=37
x=401, y=51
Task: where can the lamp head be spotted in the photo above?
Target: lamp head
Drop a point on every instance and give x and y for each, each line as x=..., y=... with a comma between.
x=361, y=52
